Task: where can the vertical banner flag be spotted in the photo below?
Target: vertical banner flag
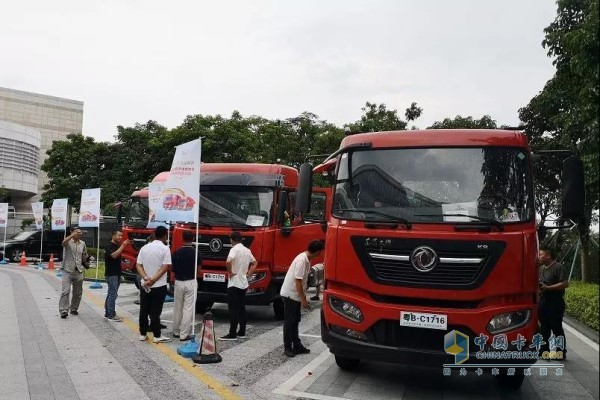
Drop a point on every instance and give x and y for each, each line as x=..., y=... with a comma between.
x=182, y=190
x=3, y=215
x=89, y=212
x=59, y=214
x=155, y=190
x=38, y=214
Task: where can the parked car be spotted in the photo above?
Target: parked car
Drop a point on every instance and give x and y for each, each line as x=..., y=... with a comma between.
x=30, y=243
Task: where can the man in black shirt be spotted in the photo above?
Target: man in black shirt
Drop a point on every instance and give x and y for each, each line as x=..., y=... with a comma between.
x=184, y=268
x=112, y=272
x=553, y=281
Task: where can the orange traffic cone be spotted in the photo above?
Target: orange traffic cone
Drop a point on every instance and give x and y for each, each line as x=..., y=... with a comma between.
x=23, y=261
x=207, y=353
x=51, y=261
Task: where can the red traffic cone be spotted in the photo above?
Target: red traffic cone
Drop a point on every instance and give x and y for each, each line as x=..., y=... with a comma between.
x=23, y=261
x=51, y=262
x=207, y=353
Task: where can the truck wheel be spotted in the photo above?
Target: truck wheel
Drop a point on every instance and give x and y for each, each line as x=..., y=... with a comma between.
x=278, y=308
x=203, y=306
x=513, y=382
x=347, y=364
x=15, y=255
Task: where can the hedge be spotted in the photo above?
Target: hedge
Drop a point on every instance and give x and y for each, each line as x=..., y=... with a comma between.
x=582, y=303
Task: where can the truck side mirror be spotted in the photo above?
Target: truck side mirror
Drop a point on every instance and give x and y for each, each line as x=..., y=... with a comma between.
x=119, y=216
x=304, y=188
x=282, y=206
x=573, y=188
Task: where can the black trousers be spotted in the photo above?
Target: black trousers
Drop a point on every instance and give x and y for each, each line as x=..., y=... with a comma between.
x=291, y=320
x=236, y=303
x=151, y=305
x=551, y=314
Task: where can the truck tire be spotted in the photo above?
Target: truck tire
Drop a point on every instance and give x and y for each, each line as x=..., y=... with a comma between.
x=203, y=306
x=278, y=308
x=511, y=383
x=347, y=364
x=15, y=255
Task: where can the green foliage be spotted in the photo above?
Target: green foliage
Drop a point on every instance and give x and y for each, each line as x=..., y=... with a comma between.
x=377, y=118
x=3, y=194
x=459, y=122
x=582, y=303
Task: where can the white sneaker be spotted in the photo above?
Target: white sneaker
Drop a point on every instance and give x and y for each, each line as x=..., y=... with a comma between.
x=143, y=338
x=161, y=339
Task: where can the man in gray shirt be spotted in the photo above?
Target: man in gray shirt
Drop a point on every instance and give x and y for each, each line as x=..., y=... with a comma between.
x=75, y=253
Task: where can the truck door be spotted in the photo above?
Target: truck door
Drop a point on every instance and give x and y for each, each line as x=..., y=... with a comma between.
x=291, y=241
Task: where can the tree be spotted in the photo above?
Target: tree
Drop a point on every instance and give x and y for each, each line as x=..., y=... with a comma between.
x=566, y=110
x=377, y=118
x=459, y=122
x=3, y=194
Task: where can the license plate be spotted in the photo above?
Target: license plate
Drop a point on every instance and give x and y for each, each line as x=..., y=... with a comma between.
x=423, y=320
x=208, y=277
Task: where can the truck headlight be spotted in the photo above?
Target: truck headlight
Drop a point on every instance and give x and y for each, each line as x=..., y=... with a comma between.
x=256, y=277
x=346, y=309
x=508, y=321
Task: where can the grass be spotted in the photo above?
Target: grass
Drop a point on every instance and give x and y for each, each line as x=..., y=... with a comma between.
x=91, y=273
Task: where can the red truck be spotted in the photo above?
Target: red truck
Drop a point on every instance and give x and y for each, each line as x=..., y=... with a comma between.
x=253, y=199
x=432, y=247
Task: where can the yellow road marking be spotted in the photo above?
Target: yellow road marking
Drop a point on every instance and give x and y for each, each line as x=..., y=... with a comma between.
x=212, y=383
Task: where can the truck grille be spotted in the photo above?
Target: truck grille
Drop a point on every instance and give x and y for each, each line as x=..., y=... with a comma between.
x=390, y=333
x=460, y=264
x=216, y=247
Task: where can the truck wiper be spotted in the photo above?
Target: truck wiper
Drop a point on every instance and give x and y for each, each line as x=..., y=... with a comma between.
x=394, y=218
x=243, y=225
x=490, y=221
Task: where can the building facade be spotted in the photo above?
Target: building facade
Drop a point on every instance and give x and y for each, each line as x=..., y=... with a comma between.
x=22, y=115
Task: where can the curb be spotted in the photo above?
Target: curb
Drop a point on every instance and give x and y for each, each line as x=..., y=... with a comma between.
x=584, y=330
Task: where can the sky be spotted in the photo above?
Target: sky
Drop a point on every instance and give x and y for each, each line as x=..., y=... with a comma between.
x=137, y=60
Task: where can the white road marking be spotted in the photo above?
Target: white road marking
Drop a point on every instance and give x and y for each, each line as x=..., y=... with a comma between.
x=287, y=387
x=581, y=336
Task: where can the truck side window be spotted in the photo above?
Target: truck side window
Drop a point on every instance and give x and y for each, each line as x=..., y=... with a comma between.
x=317, y=207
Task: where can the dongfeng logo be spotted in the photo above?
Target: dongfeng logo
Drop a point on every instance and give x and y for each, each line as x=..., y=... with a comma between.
x=215, y=245
x=424, y=258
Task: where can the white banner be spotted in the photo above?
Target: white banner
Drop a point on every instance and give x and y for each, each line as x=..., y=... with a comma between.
x=155, y=197
x=38, y=214
x=182, y=190
x=89, y=211
x=59, y=214
x=3, y=215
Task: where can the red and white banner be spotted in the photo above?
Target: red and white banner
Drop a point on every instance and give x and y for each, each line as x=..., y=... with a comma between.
x=38, y=214
x=3, y=215
x=59, y=214
x=181, y=193
x=89, y=211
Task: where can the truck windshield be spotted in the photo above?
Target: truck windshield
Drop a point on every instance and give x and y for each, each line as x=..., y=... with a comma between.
x=135, y=211
x=236, y=205
x=435, y=185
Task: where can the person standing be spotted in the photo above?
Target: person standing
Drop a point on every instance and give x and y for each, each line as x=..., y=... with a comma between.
x=553, y=282
x=112, y=273
x=152, y=263
x=240, y=265
x=74, y=255
x=293, y=293
x=184, y=268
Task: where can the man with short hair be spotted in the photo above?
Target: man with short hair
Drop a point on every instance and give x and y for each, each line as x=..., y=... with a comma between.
x=74, y=255
x=293, y=294
x=112, y=273
x=152, y=263
x=184, y=268
x=552, y=282
x=240, y=265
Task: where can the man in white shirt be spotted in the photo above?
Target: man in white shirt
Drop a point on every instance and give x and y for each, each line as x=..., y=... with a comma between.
x=240, y=265
x=152, y=263
x=293, y=294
